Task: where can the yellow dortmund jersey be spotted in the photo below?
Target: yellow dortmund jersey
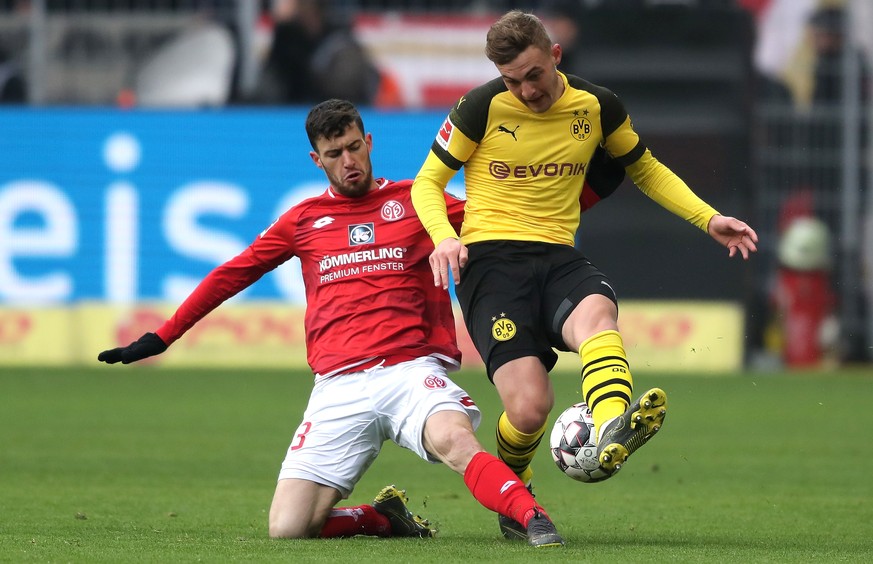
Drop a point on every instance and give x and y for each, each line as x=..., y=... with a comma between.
x=524, y=171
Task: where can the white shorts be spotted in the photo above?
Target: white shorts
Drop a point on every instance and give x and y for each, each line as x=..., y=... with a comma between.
x=351, y=415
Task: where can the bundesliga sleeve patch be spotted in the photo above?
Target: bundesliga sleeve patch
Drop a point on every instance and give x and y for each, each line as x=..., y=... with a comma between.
x=444, y=136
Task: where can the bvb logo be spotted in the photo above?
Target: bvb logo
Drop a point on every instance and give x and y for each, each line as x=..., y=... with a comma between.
x=503, y=329
x=580, y=128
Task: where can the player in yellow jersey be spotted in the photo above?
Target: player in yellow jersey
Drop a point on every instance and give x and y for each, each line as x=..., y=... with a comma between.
x=526, y=140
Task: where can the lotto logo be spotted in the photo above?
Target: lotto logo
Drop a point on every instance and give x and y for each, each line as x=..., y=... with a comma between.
x=361, y=234
x=322, y=222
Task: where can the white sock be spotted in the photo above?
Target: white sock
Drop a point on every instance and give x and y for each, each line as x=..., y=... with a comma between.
x=603, y=428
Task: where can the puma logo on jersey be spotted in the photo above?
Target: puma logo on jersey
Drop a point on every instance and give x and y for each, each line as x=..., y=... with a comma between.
x=322, y=222
x=503, y=129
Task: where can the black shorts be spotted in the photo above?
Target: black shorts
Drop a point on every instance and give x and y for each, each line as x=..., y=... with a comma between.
x=516, y=296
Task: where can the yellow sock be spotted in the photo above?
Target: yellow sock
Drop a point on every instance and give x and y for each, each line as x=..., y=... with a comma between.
x=517, y=449
x=607, y=383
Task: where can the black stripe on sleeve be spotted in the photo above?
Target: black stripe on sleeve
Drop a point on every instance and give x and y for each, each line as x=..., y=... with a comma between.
x=446, y=157
x=633, y=156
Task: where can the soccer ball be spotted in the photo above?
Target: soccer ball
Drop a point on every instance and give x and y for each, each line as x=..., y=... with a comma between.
x=574, y=447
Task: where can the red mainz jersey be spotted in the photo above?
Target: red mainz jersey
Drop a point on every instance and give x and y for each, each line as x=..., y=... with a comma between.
x=370, y=294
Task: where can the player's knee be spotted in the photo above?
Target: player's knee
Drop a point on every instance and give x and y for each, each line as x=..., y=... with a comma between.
x=530, y=419
x=529, y=414
x=289, y=526
x=453, y=444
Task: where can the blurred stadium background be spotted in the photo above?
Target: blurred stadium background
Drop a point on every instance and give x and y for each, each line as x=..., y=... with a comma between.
x=144, y=142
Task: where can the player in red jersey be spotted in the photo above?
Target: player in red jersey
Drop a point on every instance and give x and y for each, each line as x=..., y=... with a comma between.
x=380, y=338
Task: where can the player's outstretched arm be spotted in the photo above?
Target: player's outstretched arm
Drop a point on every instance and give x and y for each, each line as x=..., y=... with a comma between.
x=733, y=234
x=147, y=345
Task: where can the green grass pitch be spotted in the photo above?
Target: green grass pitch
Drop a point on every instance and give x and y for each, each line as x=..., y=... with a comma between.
x=136, y=464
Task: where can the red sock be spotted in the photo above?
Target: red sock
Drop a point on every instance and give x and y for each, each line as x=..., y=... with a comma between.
x=351, y=521
x=497, y=487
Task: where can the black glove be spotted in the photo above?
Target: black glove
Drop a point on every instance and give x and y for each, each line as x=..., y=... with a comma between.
x=144, y=347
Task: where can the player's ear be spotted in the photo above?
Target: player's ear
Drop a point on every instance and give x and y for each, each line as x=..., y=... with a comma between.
x=316, y=159
x=557, y=51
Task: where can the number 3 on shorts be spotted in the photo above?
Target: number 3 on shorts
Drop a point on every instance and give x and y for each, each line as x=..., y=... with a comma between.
x=300, y=437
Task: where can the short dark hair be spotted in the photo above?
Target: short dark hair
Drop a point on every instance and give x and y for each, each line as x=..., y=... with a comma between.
x=513, y=33
x=330, y=119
